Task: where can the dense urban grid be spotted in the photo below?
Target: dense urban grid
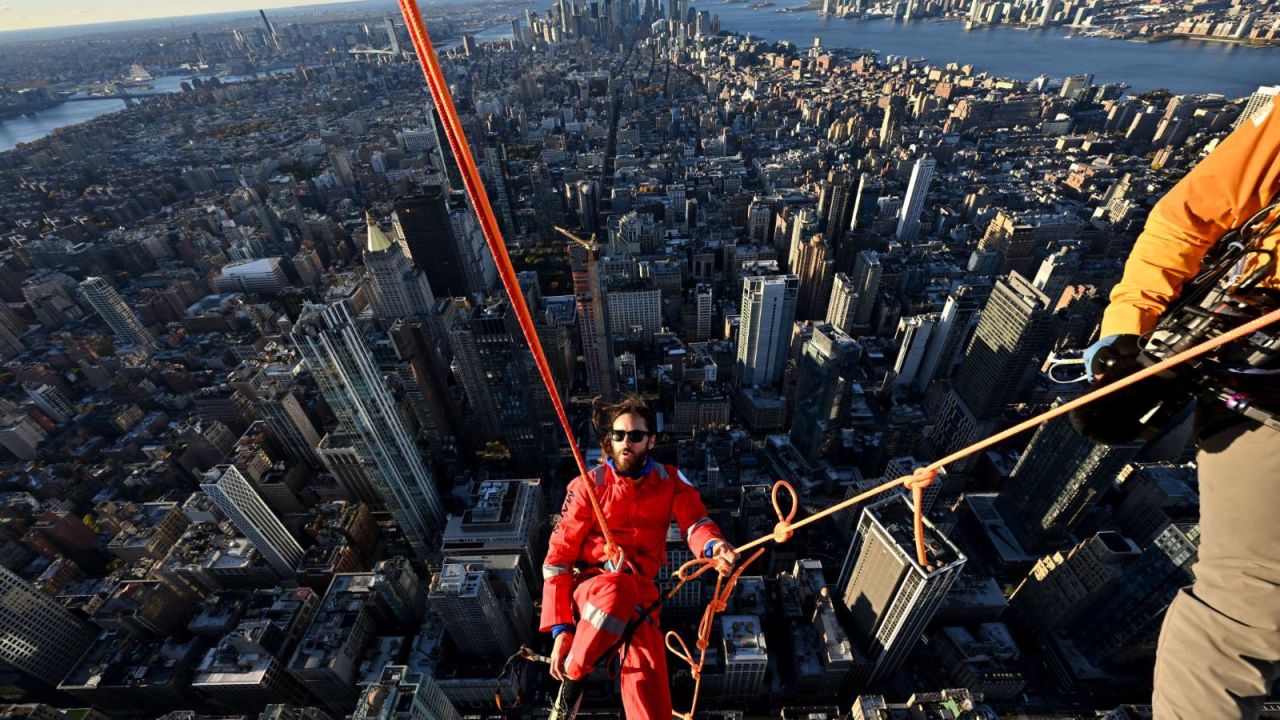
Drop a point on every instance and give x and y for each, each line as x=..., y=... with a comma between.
x=274, y=446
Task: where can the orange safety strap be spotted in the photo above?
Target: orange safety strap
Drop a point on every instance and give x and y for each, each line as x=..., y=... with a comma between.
x=493, y=237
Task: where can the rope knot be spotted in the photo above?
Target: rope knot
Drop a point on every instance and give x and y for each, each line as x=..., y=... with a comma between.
x=782, y=532
x=921, y=478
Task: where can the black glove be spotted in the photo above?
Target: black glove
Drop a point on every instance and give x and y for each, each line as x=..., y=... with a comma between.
x=1137, y=411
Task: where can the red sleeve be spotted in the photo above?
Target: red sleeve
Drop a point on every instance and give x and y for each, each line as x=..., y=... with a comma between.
x=691, y=516
x=564, y=549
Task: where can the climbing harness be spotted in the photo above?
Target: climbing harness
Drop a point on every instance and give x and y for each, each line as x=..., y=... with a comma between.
x=1196, y=347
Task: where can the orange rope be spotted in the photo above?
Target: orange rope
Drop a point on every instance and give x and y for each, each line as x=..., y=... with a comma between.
x=783, y=530
x=493, y=237
x=916, y=482
x=922, y=477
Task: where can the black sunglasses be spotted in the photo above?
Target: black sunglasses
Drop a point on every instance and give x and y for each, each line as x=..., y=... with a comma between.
x=634, y=436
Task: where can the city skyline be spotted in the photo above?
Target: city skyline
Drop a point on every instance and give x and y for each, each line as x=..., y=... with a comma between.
x=16, y=15
x=274, y=445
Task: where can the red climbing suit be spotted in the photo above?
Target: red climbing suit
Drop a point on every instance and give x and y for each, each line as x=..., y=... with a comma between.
x=602, y=603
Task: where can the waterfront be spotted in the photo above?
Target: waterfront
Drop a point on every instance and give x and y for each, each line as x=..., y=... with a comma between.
x=1201, y=67
x=28, y=128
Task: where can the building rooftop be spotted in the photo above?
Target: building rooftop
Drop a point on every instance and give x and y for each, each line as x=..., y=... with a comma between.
x=743, y=638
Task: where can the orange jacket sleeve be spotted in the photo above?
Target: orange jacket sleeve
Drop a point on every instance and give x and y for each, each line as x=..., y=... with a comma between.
x=564, y=549
x=1237, y=179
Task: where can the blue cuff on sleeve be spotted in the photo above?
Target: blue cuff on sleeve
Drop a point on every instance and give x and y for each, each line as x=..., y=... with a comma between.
x=557, y=629
x=711, y=545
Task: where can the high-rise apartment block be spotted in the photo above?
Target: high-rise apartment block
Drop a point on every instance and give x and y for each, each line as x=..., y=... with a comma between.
x=465, y=599
x=237, y=499
x=1058, y=476
x=913, y=203
x=768, y=309
x=339, y=358
x=112, y=308
x=42, y=639
x=746, y=657
x=1264, y=96
x=890, y=596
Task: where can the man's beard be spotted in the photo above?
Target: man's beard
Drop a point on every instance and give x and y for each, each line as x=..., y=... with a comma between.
x=631, y=462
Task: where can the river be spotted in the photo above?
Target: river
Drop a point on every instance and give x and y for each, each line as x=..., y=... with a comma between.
x=1183, y=66
x=28, y=128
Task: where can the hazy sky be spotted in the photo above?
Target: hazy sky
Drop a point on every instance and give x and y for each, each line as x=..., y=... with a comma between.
x=24, y=14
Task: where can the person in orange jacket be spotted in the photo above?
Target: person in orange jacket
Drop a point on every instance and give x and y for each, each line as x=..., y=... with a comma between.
x=1219, y=649
x=587, y=606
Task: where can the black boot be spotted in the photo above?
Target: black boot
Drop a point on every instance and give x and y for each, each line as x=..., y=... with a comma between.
x=565, y=706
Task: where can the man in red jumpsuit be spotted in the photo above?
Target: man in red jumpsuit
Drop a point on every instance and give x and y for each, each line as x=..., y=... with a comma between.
x=587, y=606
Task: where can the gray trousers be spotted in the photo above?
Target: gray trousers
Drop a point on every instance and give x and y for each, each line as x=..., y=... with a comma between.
x=1219, y=649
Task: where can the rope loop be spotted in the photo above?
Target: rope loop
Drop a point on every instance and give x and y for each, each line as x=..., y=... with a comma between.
x=782, y=530
x=681, y=652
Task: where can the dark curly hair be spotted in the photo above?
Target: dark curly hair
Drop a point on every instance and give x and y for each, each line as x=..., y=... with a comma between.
x=606, y=413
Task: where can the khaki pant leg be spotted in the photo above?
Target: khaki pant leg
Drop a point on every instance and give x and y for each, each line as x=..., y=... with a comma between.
x=1219, y=649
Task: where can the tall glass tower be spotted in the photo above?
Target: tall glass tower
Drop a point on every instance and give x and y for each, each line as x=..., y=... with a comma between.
x=334, y=347
x=112, y=308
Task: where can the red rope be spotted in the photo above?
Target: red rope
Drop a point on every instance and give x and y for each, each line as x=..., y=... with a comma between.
x=493, y=237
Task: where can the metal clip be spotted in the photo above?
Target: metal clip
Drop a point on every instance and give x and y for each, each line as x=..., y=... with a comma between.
x=1057, y=360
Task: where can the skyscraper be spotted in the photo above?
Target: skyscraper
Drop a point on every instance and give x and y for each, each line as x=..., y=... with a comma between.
x=866, y=286
x=843, y=306
x=447, y=161
x=947, y=341
x=489, y=357
x=767, y=311
x=1013, y=334
x=866, y=207
x=597, y=342
x=396, y=288
x=335, y=349
x=835, y=205
x=913, y=203
x=823, y=379
x=42, y=639
x=402, y=693
x=272, y=38
x=392, y=37
x=237, y=499
x=815, y=270
x=1058, y=476
x=703, y=297
x=1263, y=96
x=890, y=596
x=286, y=418
x=915, y=337
x=111, y=307
x=465, y=599
x=423, y=223
x=746, y=657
